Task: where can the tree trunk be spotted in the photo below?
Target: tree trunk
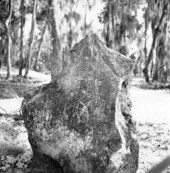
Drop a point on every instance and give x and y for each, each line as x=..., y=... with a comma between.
x=146, y=28
x=155, y=35
x=150, y=56
x=70, y=36
x=28, y=58
x=113, y=24
x=39, y=47
x=85, y=21
x=21, y=36
x=109, y=39
x=9, y=76
x=159, y=74
x=56, y=54
x=7, y=26
x=155, y=74
x=161, y=71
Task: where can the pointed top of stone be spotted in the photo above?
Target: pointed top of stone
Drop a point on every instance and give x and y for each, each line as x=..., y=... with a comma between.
x=91, y=50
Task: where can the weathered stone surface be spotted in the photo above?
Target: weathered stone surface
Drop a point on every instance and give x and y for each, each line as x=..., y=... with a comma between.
x=83, y=119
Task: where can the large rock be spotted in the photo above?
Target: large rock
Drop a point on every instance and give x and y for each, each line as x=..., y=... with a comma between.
x=81, y=123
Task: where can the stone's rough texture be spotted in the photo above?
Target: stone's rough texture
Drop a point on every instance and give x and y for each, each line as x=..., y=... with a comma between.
x=82, y=120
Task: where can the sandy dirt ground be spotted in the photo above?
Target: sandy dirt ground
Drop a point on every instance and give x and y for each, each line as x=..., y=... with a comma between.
x=149, y=105
x=151, y=110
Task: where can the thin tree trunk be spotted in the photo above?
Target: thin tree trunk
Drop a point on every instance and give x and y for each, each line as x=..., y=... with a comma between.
x=110, y=34
x=150, y=56
x=28, y=58
x=146, y=28
x=70, y=36
x=9, y=76
x=113, y=24
x=161, y=55
x=155, y=74
x=85, y=21
x=159, y=72
x=21, y=37
x=39, y=47
x=107, y=36
x=56, y=54
x=152, y=67
x=155, y=35
x=140, y=67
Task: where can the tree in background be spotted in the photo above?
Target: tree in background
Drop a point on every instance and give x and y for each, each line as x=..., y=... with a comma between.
x=159, y=73
x=119, y=20
x=56, y=26
x=159, y=12
x=8, y=26
x=69, y=23
x=22, y=13
x=88, y=6
x=37, y=57
x=41, y=25
x=56, y=54
x=5, y=17
x=70, y=16
x=28, y=57
x=27, y=46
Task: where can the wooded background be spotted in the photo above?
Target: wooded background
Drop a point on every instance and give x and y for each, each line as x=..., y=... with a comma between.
x=37, y=34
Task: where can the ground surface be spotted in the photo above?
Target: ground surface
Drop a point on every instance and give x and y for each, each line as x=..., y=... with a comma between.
x=150, y=110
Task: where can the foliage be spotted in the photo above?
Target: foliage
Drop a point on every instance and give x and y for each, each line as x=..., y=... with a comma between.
x=119, y=19
x=146, y=41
